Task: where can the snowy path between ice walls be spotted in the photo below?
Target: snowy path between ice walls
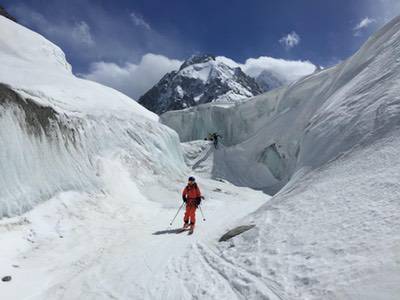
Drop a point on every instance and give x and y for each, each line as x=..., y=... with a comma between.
x=103, y=246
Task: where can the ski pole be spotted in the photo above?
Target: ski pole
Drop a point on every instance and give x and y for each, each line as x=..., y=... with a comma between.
x=179, y=209
x=202, y=213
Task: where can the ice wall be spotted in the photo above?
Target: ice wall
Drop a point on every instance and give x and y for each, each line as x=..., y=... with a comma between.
x=44, y=152
x=57, y=129
x=312, y=121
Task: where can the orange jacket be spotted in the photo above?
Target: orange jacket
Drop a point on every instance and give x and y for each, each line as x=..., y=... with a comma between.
x=191, y=192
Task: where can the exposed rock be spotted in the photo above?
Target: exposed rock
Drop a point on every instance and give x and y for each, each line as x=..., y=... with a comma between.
x=234, y=232
x=37, y=117
x=6, y=278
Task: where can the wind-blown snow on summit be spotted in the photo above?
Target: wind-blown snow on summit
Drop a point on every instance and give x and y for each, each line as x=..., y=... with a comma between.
x=200, y=79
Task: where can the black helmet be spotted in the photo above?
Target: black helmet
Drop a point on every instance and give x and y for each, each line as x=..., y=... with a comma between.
x=191, y=178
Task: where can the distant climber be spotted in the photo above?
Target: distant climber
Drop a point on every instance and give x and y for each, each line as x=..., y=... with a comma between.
x=191, y=195
x=215, y=137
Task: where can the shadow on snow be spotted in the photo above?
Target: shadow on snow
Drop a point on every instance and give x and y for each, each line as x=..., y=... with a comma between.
x=169, y=231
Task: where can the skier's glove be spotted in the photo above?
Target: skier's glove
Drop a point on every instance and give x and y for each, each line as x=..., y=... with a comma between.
x=184, y=199
x=198, y=201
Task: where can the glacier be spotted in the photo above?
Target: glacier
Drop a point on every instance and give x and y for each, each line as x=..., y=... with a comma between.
x=90, y=181
x=308, y=122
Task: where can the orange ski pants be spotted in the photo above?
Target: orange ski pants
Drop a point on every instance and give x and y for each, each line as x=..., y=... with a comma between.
x=190, y=213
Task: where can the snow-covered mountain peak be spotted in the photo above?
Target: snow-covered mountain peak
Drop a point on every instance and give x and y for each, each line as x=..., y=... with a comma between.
x=200, y=79
x=197, y=59
x=206, y=69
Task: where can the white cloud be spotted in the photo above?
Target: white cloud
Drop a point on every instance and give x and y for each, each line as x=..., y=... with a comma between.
x=133, y=79
x=94, y=34
x=139, y=21
x=289, y=41
x=136, y=79
x=76, y=34
x=285, y=70
x=81, y=33
x=364, y=23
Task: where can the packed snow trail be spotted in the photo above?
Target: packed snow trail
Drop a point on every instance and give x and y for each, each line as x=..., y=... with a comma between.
x=108, y=246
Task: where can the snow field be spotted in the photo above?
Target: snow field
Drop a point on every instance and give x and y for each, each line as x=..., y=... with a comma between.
x=106, y=245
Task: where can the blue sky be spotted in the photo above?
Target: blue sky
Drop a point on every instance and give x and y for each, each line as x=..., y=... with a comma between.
x=102, y=33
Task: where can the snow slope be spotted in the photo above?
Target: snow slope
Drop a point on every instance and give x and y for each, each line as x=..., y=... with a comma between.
x=307, y=123
x=331, y=234
x=58, y=128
